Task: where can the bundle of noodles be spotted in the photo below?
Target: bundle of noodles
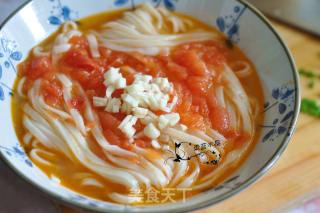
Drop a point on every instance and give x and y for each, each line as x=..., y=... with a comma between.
x=150, y=31
x=69, y=131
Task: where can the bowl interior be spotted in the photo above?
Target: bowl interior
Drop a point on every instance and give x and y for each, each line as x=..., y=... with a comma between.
x=240, y=22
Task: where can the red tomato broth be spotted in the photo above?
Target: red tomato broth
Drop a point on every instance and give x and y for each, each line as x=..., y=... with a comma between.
x=194, y=69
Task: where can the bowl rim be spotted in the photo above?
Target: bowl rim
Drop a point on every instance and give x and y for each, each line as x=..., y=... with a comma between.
x=206, y=203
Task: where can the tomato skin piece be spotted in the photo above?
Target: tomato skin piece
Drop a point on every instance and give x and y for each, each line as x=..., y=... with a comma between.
x=191, y=60
x=220, y=119
x=38, y=67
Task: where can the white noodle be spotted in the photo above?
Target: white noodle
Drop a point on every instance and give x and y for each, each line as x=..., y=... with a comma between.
x=60, y=113
x=77, y=118
x=35, y=115
x=216, y=135
x=188, y=181
x=202, y=135
x=20, y=87
x=91, y=182
x=234, y=119
x=68, y=26
x=55, y=179
x=136, y=31
x=124, y=199
x=34, y=154
x=38, y=52
x=36, y=132
x=207, y=181
x=27, y=138
x=239, y=97
x=64, y=80
x=241, y=68
x=143, y=175
x=61, y=48
x=93, y=45
x=180, y=171
x=156, y=161
x=220, y=97
x=72, y=33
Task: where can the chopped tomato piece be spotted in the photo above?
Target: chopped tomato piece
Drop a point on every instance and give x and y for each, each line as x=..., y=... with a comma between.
x=211, y=98
x=193, y=120
x=105, y=53
x=220, y=119
x=117, y=93
x=139, y=126
x=232, y=134
x=202, y=104
x=215, y=56
x=52, y=93
x=81, y=75
x=198, y=85
x=79, y=42
x=191, y=61
x=38, y=67
x=108, y=121
x=128, y=73
x=91, y=94
x=111, y=137
x=90, y=80
x=78, y=103
x=176, y=72
x=184, y=98
x=80, y=59
x=142, y=143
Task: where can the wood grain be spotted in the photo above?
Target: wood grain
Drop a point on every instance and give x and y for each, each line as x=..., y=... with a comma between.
x=298, y=170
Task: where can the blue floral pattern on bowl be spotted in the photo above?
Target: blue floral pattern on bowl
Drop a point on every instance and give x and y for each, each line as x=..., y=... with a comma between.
x=169, y=4
x=281, y=104
x=61, y=13
x=229, y=23
x=17, y=152
x=8, y=56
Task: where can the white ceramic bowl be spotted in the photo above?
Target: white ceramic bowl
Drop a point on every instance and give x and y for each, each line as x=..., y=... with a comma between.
x=243, y=24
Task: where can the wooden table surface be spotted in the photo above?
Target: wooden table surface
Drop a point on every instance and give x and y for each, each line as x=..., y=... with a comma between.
x=297, y=173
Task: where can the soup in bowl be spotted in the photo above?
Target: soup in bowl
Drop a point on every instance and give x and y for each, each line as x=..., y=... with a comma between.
x=145, y=104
